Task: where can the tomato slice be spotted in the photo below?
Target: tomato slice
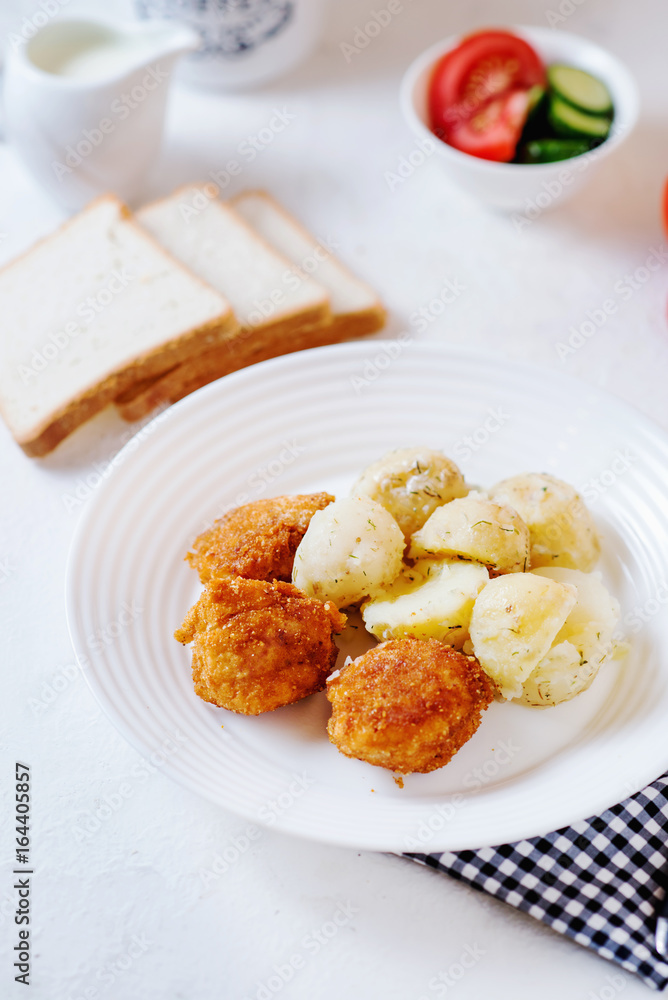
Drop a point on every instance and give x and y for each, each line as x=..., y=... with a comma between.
x=492, y=133
x=477, y=83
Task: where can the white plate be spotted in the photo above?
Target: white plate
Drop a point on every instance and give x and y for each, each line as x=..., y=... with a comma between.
x=309, y=422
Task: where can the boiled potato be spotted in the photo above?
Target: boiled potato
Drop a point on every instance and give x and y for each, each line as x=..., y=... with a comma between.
x=591, y=624
x=433, y=600
x=561, y=529
x=411, y=483
x=514, y=622
x=559, y=676
x=351, y=549
x=477, y=529
x=580, y=647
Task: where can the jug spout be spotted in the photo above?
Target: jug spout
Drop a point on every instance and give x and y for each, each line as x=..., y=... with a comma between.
x=165, y=41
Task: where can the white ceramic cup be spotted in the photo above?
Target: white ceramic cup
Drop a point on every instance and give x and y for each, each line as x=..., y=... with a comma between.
x=244, y=43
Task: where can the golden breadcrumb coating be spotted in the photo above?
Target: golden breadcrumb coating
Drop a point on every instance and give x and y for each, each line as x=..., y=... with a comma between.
x=257, y=541
x=407, y=704
x=259, y=645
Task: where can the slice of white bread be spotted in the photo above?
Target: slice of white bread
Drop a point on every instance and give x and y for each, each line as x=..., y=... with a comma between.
x=356, y=309
x=217, y=245
x=88, y=312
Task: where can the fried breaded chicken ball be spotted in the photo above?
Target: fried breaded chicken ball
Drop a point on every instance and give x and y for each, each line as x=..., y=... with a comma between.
x=259, y=645
x=257, y=541
x=407, y=704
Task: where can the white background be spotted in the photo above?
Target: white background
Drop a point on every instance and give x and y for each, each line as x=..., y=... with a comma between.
x=140, y=873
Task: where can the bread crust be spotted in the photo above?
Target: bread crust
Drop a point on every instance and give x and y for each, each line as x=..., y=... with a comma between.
x=63, y=422
x=139, y=401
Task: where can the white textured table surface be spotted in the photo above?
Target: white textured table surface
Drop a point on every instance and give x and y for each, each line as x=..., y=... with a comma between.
x=128, y=909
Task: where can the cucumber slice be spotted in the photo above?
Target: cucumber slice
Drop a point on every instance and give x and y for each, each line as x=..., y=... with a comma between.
x=569, y=121
x=551, y=150
x=536, y=95
x=536, y=125
x=580, y=89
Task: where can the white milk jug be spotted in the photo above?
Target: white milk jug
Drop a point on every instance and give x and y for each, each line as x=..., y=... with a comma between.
x=85, y=102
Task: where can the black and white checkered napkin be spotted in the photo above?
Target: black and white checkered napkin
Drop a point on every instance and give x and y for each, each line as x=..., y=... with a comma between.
x=600, y=882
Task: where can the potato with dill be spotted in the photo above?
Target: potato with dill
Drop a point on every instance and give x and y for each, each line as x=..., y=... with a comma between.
x=584, y=642
x=513, y=624
x=411, y=483
x=351, y=549
x=408, y=705
x=561, y=528
x=476, y=529
x=432, y=600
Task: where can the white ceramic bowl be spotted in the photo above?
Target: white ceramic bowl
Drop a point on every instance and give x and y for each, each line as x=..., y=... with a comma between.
x=526, y=188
